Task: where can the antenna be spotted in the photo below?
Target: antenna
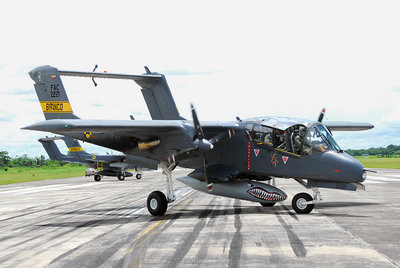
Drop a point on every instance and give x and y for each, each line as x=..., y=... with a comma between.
x=94, y=82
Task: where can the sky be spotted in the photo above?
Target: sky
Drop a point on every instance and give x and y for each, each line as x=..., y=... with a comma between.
x=228, y=58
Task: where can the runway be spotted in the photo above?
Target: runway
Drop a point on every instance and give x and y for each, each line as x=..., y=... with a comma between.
x=77, y=222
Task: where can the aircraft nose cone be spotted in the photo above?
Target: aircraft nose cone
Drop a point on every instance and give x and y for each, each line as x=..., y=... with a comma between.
x=347, y=169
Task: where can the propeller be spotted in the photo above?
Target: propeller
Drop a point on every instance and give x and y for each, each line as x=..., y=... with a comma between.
x=201, y=145
x=321, y=115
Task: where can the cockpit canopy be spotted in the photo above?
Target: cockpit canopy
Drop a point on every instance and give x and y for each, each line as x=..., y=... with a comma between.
x=299, y=138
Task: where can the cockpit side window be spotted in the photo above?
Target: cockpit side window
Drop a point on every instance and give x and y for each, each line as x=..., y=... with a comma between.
x=268, y=136
x=262, y=135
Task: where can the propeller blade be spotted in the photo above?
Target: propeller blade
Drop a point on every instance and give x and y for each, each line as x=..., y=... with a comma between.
x=199, y=132
x=226, y=135
x=321, y=115
x=181, y=155
x=206, y=175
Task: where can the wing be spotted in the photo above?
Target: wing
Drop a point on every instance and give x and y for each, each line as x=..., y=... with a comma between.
x=125, y=135
x=142, y=128
x=161, y=138
x=347, y=126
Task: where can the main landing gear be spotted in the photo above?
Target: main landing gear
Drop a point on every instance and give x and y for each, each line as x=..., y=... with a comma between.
x=303, y=203
x=121, y=176
x=157, y=202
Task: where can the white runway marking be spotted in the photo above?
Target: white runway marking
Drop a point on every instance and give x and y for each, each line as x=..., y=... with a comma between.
x=376, y=179
x=28, y=190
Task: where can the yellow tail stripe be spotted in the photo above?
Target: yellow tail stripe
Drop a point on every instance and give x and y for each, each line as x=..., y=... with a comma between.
x=75, y=149
x=56, y=106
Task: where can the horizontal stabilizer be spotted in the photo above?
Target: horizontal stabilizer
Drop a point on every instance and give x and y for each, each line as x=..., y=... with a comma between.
x=47, y=139
x=138, y=78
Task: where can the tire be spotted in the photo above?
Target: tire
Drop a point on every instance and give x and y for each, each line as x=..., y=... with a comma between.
x=268, y=204
x=157, y=203
x=301, y=208
x=138, y=176
x=121, y=177
x=97, y=177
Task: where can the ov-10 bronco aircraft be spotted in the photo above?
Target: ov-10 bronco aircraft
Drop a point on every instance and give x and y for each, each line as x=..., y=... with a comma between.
x=105, y=165
x=228, y=158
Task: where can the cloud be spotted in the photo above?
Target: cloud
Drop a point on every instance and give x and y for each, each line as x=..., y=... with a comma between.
x=274, y=58
x=382, y=135
x=18, y=91
x=6, y=116
x=185, y=72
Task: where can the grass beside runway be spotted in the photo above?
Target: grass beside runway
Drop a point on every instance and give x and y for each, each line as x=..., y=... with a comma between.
x=375, y=162
x=22, y=174
x=17, y=175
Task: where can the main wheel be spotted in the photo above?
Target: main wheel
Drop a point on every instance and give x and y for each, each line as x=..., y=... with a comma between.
x=138, y=176
x=157, y=203
x=298, y=203
x=268, y=204
x=97, y=177
x=121, y=177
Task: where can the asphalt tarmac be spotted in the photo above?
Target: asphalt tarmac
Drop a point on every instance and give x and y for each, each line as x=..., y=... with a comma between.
x=78, y=222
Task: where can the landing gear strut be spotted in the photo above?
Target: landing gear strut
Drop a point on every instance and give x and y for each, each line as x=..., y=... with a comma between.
x=157, y=202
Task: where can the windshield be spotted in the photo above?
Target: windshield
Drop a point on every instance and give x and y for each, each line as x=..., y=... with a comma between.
x=329, y=137
x=318, y=139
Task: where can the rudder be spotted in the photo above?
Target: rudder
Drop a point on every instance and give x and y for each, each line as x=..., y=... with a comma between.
x=52, y=150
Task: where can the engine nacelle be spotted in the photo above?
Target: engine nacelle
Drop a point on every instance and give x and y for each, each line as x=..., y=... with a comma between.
x=245, y=190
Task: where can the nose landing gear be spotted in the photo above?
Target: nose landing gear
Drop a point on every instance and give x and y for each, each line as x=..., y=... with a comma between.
x=303, y=203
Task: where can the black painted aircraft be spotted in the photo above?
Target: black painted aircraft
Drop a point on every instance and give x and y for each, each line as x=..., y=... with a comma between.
x=98, y=165
x=228, y=158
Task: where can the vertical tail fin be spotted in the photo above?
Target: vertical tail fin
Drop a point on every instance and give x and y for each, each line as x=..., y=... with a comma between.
x=51, y=93
x=158, y=98
x=75, y=149
x=52, y=150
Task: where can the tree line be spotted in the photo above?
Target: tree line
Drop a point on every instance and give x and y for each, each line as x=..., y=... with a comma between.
x=25, y=161
x=390, y=150
x=40, y=161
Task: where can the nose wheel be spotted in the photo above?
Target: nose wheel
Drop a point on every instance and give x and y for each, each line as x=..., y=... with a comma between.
x=300, y=203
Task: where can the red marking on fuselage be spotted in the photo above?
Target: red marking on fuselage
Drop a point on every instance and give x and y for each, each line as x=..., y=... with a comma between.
x=248, y=156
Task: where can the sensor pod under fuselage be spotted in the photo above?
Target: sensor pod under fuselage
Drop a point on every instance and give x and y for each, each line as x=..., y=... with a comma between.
x=245, y=190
